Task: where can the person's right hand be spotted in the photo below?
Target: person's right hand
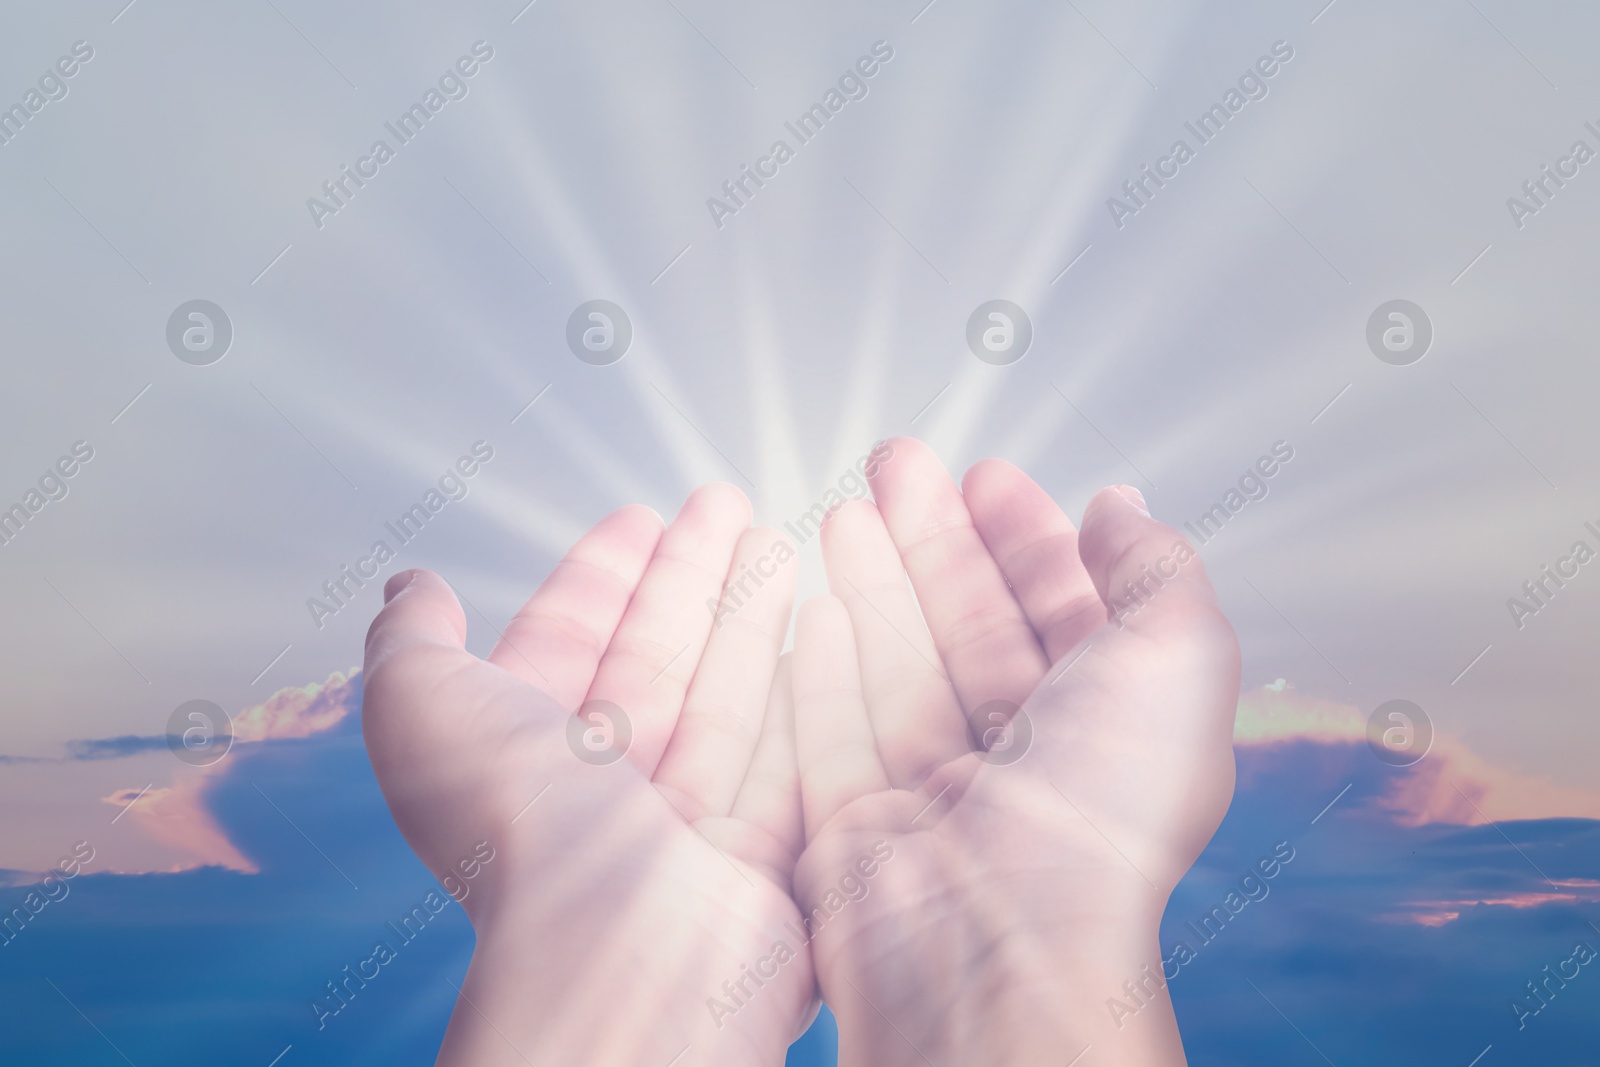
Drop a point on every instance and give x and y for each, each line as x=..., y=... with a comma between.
x=621, y=897
x=1019, y=897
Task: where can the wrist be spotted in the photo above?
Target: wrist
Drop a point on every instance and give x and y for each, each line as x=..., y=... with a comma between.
x=632, y=991
x=1023, y=997
x=1105, y=991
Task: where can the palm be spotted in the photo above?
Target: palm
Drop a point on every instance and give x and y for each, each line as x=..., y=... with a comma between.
x=1128, y=771
x=666, y=859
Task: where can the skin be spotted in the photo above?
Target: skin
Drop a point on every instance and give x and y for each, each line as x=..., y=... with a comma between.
x=963, y=906
x=618, y=902
x=1022, y=895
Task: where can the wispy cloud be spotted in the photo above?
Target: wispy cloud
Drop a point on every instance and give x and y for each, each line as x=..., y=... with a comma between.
x=114, y=747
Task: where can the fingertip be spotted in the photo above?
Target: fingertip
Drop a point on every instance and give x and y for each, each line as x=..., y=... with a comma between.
x=910, y=458
x=996, y=491
x=911, y=448
x=1128, y=554
x=1115, y=505
x=397, y=582
x=722, y=499
x=847, y=518
x=631, y=532
x=419, y=607
x=988, y=477
x=637, y=516
x=899, y=444
x=1134, y=497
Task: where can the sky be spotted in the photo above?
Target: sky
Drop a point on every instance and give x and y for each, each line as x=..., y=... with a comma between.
x=1172, y=346
x=1382, y=936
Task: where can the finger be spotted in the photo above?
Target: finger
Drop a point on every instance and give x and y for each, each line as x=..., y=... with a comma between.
x=417, y=639
x=716, y=734
x=1166, y=618
x=653, y=653
x=769, y=798
x=1148, y=575
x=834, y=746
x=1036, y=547
x=915, y=715
x=983, y=638
x=556, y=640
x=420, y=610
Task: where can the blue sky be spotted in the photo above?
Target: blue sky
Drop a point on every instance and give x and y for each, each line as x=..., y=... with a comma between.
x=213, y=965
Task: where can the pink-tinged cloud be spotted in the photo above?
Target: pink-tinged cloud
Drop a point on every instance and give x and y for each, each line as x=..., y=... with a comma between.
x=1456, y=785
x=178, y=815
x=1441, y=912
x=1451, y=784
x=301, y=712
x=1279, y=712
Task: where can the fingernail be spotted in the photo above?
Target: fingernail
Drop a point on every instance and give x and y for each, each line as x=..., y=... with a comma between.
x=1134, y=497
x=393, y=586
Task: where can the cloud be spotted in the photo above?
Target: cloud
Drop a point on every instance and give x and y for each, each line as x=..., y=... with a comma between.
x=180, y=816
x=207, y=965
x=114, y=747
x=165, y=820
x=1454, y=784
x=1387, y=941
x=1439, y=912
x=310, y=709
x=1451, y=784
x=290, y=712
x=1278, y=712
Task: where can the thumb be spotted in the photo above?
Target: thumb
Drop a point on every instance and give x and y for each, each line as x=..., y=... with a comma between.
x=1147, y=573
x=420, y=609
x=416, y=640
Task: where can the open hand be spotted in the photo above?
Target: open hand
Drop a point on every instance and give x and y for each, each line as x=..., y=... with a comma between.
x=627, y=889
x=1027, y=878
